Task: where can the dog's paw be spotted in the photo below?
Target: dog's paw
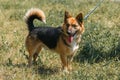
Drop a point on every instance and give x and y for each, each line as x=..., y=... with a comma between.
x=65, y=70
x=69, y=68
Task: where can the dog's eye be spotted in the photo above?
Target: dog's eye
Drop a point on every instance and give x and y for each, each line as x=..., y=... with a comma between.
x=67, y=25
x=75, y=26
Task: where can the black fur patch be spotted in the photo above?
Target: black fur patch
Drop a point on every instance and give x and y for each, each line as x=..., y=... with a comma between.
x=48, y=35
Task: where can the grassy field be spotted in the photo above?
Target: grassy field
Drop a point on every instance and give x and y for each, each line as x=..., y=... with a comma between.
x=98, y=57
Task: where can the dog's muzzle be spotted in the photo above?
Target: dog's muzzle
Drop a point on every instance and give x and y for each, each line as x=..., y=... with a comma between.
x=71, y=35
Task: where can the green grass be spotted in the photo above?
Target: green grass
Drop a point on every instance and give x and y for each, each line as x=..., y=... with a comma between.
x=98, y=57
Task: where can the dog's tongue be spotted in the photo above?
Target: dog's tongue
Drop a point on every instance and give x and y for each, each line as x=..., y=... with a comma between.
x=70, y=39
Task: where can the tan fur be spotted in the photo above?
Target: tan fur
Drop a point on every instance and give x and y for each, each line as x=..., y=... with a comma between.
x=66, y=53
x=35, y=11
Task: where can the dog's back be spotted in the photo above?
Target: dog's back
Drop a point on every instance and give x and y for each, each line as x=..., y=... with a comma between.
x=47, y=35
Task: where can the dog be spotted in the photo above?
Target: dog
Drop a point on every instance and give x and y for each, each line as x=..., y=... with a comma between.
x=63, y=40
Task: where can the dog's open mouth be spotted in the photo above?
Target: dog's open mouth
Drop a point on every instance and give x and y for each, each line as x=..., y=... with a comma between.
x=71, y=36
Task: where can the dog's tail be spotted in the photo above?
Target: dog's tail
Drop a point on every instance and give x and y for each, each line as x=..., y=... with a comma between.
x=32, y=14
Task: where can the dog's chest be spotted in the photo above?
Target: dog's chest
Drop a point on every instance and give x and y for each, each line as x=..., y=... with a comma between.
x=74, y=46
x=75, y=43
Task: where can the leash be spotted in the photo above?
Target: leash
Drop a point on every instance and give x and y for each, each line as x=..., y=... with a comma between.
x=87, y=15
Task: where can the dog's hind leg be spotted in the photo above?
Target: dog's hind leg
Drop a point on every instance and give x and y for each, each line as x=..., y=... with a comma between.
x=35, y=55
x=31, y=51
x=31, y=45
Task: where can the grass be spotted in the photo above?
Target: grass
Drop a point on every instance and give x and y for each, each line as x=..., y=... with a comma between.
x=98, y=57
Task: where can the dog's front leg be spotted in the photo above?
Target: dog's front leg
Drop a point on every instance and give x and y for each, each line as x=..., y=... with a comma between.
x=64, y=63
x=69, y=60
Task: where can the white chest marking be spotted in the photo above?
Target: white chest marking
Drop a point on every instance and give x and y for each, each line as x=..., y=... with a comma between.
x=74, y=45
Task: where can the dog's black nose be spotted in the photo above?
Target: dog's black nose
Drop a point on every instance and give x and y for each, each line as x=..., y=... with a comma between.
x=69, y=32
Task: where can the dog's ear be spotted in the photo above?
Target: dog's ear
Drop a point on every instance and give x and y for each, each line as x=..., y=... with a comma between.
x=79, y=18
x=67, y=15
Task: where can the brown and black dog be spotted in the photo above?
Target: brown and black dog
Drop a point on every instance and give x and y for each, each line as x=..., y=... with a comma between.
x=63, y=40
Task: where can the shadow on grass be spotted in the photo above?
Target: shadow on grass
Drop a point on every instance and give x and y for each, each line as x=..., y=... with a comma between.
x=115, y=52
x=92, y=55
x=10, y=63
x=44, y=70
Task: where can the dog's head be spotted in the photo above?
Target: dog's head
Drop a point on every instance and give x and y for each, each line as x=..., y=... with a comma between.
x=73, y=26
